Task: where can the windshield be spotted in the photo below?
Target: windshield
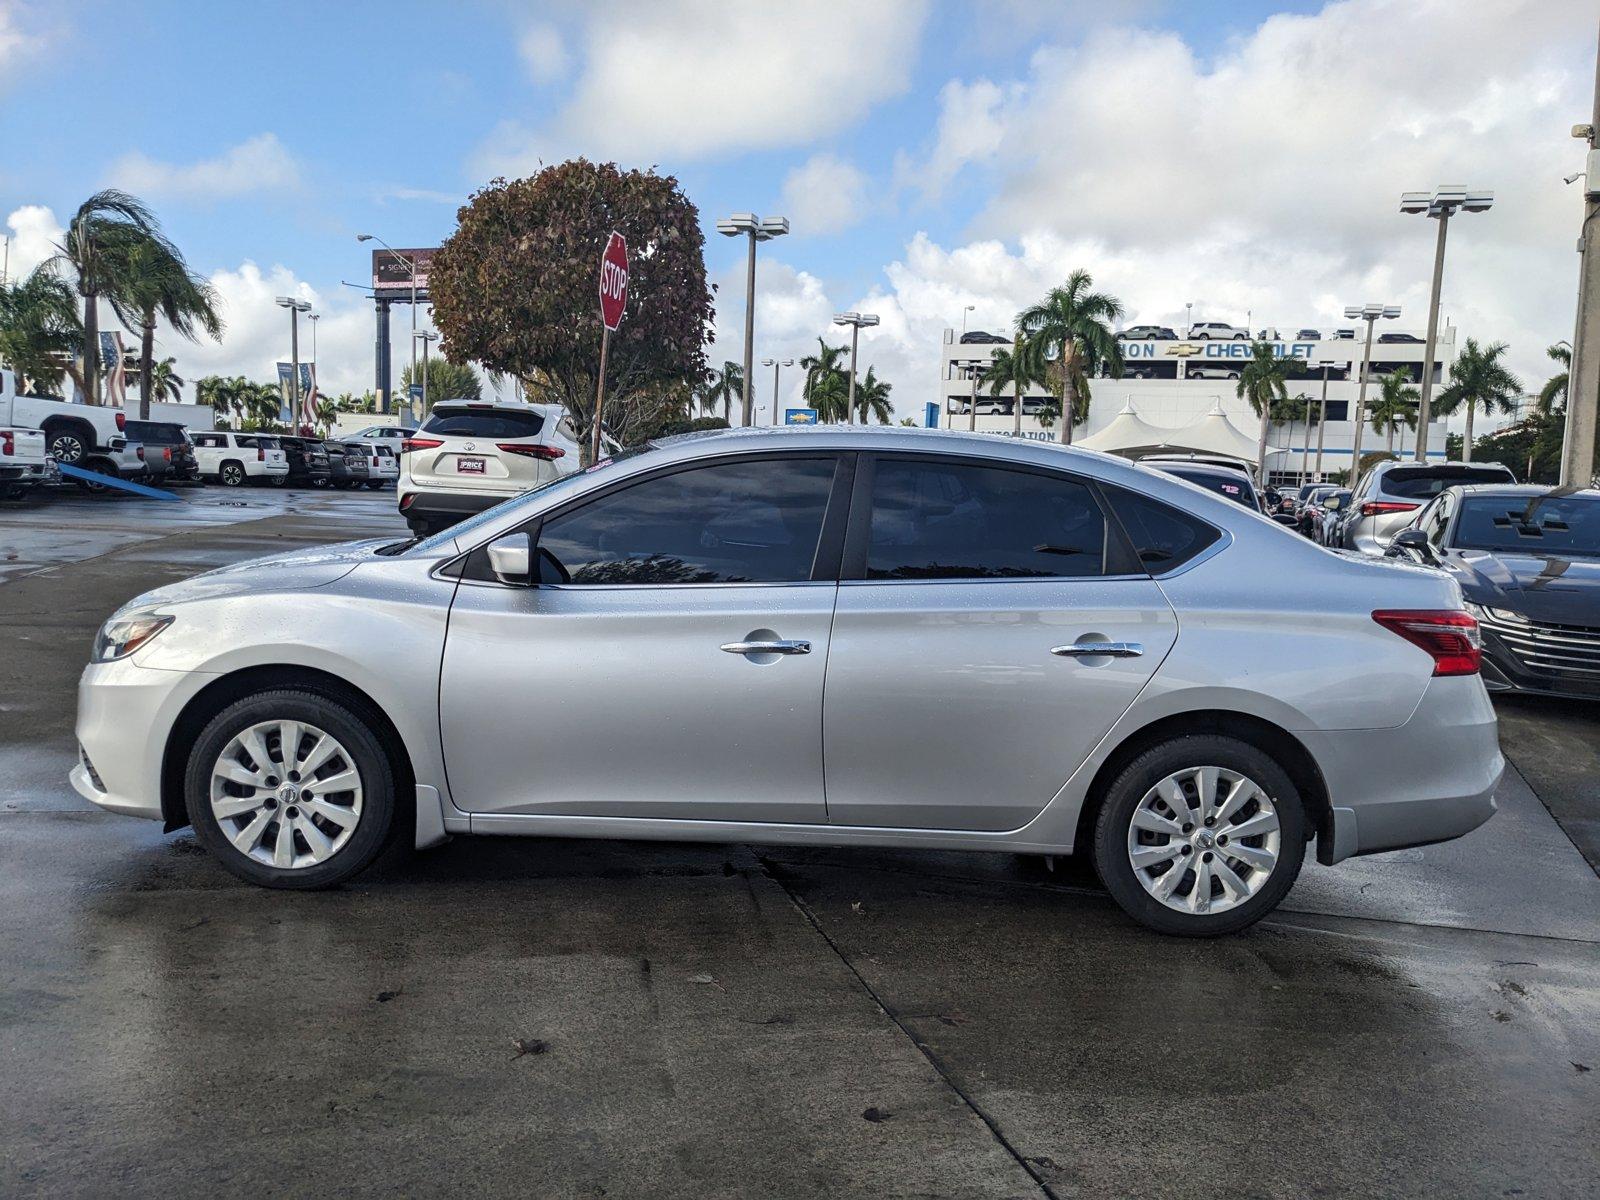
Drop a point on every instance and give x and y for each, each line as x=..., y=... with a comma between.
x=465, y=529
x=1424, y=483
x=155, y=433
x=1566, y=525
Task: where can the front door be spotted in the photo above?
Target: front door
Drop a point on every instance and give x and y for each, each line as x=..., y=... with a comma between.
x=963, y=683
x=670, y=662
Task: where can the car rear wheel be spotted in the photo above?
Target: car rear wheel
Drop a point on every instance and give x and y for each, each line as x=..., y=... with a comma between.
x=231, y=474
x=278, y=480
x=290, y=789
x=1200, y=836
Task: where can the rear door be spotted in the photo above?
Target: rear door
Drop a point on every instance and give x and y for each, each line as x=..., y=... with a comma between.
x=963, y=686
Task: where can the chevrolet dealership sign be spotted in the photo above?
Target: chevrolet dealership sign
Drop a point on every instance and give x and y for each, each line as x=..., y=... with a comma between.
x=1210, y=351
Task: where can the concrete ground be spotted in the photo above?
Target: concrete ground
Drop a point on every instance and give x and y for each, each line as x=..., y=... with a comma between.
x=740, y=1021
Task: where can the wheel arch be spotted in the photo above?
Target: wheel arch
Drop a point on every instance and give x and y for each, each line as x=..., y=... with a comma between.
x=1265, y=735
x=247, y=681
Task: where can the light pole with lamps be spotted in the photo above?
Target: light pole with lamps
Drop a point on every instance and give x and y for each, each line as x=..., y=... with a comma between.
x=964, y=313
x=1322, y=416
x=1188, y=316
x=1441, y=204
x=411, y=269
x=775, y=364
x=295, y=307
x=1370, y=314
x=425, y=336
x=855, y=320
x=757, y=229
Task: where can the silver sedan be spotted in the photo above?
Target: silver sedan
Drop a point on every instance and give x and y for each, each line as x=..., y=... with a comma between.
x=824, y=636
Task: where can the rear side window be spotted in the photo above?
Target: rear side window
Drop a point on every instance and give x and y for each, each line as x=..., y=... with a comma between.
x=941, y=520
x=489, y=423
x=1424, y=483
x=1162, y=536
x=154, y=433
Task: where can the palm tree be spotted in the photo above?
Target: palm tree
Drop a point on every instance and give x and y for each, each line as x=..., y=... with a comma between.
x=1264, y=382
x=1479, y=380
x=830, y=396
x=824, y=374
x=39, y=331
x=724, y=387
x=151, y=278
x=872, y=398
x=1016, y=369
x=165, y=381
x=1075, y=323
x=446, y=381
x=1396, y=406
x=94, y=249
x=1554, y=393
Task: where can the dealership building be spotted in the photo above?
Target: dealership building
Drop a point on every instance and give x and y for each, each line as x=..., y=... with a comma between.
x=1174, y=388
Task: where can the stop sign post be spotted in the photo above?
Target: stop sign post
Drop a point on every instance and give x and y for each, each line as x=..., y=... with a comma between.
x=613, y=302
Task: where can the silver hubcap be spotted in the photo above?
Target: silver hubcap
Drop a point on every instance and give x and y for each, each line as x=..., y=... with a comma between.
x=1204, y=840
x=286, y=794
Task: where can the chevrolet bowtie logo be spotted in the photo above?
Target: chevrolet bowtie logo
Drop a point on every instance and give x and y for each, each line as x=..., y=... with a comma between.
x=1185, y=349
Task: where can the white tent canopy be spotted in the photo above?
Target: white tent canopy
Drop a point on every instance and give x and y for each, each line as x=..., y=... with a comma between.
x=1132, y=436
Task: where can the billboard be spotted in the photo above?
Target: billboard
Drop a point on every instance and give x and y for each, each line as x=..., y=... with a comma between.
x=391, y=272
x=799, y=416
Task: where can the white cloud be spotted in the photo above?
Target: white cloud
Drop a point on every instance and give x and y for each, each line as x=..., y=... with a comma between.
x=696, y=78
x=17, y=44
x=545, y=53
x=35, y=234
x=259, y=164
x=824, y=194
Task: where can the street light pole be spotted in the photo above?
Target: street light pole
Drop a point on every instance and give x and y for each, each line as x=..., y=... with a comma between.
x=756, y=229
x=1322, y=417
x=972, y=408
x=855, y=320
x=1370, y=314
x=426, y=336
x=295, y=307
x=1583, y=375
x=775, y=364
x=1440, y=204
x=964, y=313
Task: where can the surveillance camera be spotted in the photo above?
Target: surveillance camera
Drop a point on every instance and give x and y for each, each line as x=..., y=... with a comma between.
x=1583, y=131
x=1573, y=178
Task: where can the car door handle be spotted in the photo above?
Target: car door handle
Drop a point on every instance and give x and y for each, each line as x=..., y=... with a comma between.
x=1099, y=650
x=777, y=647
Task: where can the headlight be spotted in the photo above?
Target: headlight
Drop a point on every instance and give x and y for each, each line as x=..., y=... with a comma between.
x=1477, y=610
x=121, y=636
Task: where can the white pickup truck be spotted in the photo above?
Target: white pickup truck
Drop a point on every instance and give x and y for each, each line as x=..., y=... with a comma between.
x=23, y=462
x=74, y=433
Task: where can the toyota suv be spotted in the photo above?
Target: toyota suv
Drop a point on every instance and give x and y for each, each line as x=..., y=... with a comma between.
x=470, y=454
x=1389, y=495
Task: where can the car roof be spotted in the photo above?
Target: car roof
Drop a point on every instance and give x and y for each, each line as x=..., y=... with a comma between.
x=1209, y=470
x=1518, y=489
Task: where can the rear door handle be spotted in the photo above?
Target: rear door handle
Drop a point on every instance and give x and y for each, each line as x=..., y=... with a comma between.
x=1099, y=650
x=778, y=647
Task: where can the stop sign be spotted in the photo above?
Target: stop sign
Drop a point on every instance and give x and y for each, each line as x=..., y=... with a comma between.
x=613, y=281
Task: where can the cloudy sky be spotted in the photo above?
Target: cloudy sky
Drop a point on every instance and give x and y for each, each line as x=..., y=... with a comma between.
x=1241, y=155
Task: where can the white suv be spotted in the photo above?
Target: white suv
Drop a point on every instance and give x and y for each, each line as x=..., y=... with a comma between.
x=471, y=454
x=235, y=458
x=1219, y=331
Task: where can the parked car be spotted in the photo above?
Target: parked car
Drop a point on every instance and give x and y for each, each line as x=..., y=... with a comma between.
x=1218, y=331
x=169, y=454
x=1329, y=514
x=1148, y=333
x=391, y=435
x=469, y=455
x=1269, y=334
x=1528, y=562
x=347, y=463
x=1199, y=370
x=1222, y=480
x=23, y=462
x=120, y=459
x=73, y=433
x=1388, y=496
x=307, y=459
x=1344, y=335
x=1409, y=339
x=1305, y=506
x=1189, y=691
x=234, y=459
x=1308, y=335
x=973, y=337
x=383, y=467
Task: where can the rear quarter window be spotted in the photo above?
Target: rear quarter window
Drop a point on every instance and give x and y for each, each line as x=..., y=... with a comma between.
x=1163, y=537
x=486, y=424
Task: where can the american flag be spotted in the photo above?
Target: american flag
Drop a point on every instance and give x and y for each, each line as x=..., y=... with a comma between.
x=308, y=403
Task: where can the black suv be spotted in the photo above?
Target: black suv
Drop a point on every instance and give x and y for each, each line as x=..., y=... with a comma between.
x=308, y=461
x=348, y=463
x=170, y=442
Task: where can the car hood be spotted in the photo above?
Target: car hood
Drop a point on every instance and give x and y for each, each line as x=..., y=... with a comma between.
x=1543, y=587
x=295, y=570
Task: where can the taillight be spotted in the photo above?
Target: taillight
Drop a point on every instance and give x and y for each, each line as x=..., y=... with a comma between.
x=166, y=453
x=1451, y=637
x=420, y=444
x=376, y=463
x=8, y=443
x=534, y=451
x=405, y=501
x=122, y=420
x=141, y=453
x=1373, y=508
x=261, y=454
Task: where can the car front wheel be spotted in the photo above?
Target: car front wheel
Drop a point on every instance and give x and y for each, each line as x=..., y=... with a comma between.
x=290, y=789
x=1199, y=836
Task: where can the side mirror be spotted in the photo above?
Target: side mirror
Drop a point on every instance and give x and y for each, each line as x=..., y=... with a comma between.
x=511, y=558
x=1411, y=541
x=1333, y=503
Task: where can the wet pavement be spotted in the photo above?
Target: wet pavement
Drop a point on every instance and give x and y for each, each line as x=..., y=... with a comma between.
x=740, y=1021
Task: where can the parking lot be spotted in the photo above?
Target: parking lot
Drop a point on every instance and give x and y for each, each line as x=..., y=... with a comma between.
x=544, y=1017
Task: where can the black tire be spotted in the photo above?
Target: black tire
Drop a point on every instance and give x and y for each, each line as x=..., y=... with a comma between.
x=375, y=484
x=278, y=481
x=371, y=763
x=94, y=486
x=319, y=481
x=1133, y=783
x=231, y=474
x=66, y=442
